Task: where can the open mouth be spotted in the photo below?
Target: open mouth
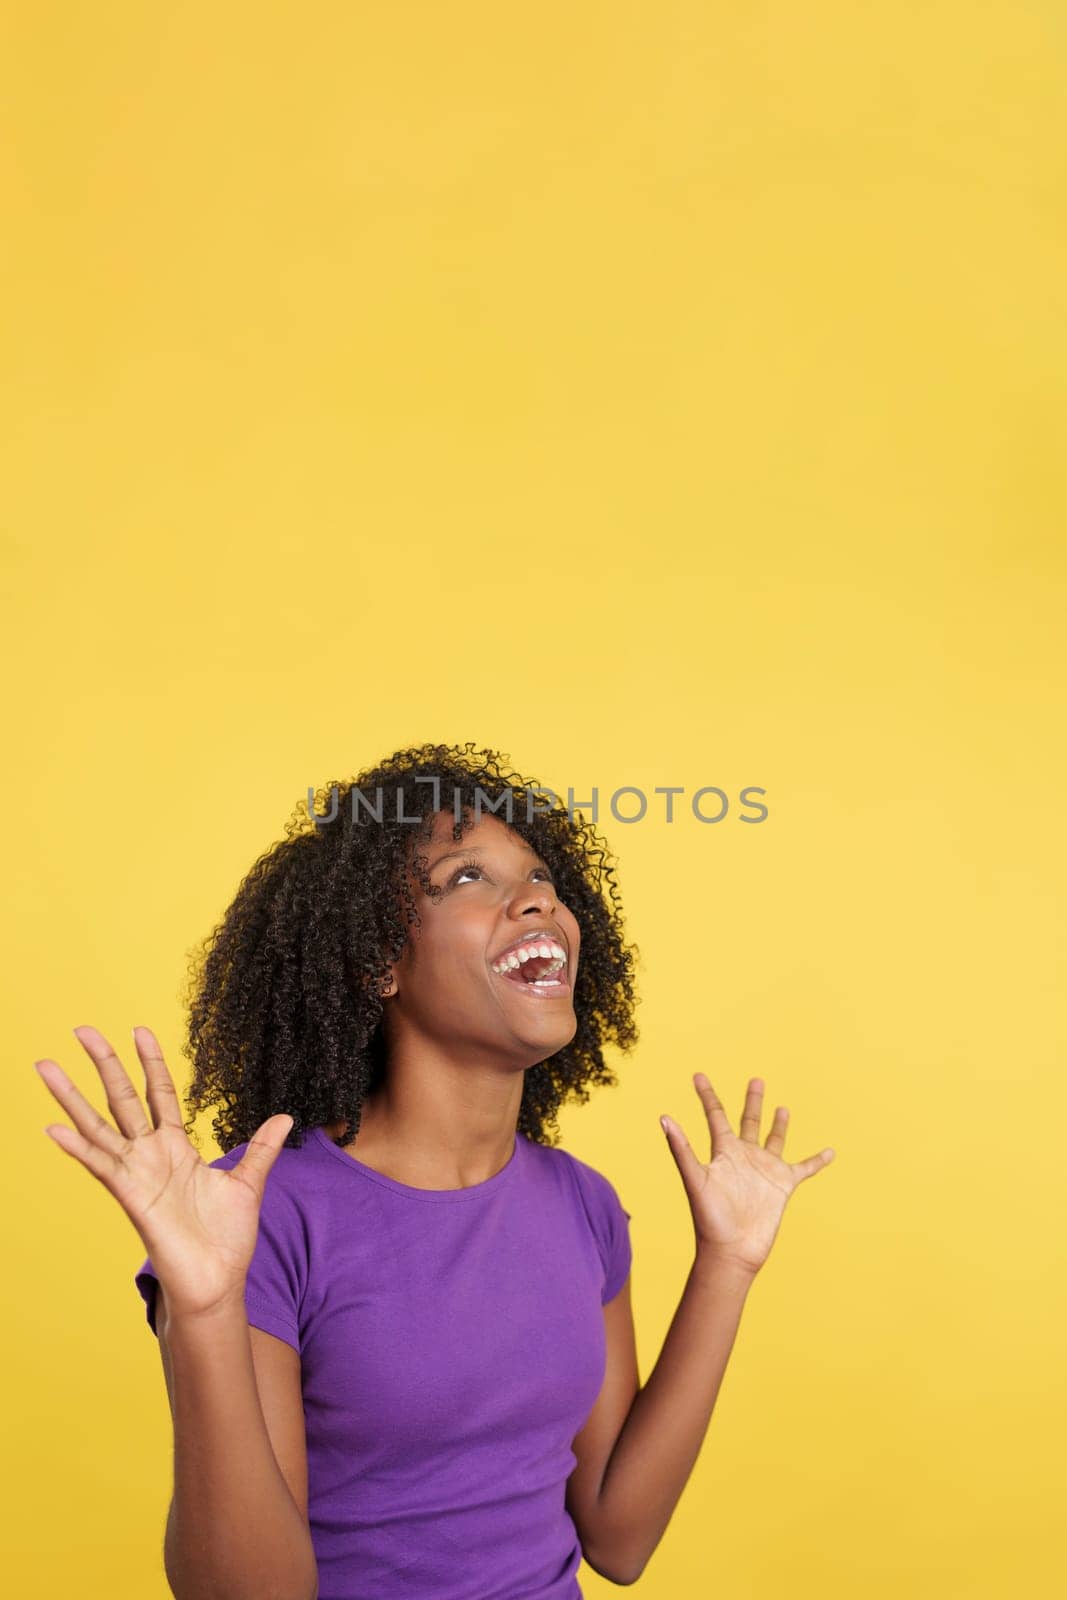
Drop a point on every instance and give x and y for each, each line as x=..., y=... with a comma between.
x=539, y=971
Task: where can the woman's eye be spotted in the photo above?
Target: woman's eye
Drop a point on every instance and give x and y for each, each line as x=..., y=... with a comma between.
x=461, y=873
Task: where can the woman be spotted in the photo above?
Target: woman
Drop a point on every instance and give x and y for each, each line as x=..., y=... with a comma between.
x=395, y=1316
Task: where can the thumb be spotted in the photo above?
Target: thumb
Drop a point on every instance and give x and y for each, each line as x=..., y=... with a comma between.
x=262, y=1151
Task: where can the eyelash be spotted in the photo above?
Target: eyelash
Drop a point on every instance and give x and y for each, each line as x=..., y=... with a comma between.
x=476, y=866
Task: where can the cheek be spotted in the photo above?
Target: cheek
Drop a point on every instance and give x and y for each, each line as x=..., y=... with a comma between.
x=460, y=961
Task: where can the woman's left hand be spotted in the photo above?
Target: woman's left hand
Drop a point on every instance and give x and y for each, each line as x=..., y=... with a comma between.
x=737, y=1199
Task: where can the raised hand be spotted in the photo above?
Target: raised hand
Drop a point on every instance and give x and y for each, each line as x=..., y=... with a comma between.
x=738, y=1197
x=199, y=1223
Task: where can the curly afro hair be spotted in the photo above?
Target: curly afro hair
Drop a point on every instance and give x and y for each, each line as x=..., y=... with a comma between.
x=284, y=1013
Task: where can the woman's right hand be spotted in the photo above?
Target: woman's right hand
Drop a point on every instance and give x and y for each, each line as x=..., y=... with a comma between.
x=199, y=1223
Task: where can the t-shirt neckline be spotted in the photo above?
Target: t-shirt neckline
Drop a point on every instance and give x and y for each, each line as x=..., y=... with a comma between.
x=473, y=1191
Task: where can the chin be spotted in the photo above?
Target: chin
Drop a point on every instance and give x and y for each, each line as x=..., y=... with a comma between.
x=550, y=1039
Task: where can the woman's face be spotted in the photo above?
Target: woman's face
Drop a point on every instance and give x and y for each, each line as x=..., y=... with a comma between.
x=446, y=988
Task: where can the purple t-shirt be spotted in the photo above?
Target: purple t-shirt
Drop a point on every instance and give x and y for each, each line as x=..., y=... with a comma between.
x=452, y=1345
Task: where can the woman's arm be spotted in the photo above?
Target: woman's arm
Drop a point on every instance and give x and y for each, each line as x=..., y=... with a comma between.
x=234, y=1531
x=665, y=1426
x=737, y=1200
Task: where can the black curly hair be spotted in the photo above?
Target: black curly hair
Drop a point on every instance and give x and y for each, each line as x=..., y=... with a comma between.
x=284, y=1010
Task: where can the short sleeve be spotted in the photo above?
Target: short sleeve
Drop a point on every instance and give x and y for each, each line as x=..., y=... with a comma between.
x=619, y=1253
x=611, y=1225
x=277, y=1273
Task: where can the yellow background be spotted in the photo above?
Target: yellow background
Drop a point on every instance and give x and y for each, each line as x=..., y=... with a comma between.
x=663, y=394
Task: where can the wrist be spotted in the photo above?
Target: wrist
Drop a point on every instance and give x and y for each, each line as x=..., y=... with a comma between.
x=723, y=1269
x=174, y=1316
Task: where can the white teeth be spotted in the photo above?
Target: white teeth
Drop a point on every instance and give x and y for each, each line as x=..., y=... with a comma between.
x=549, y=950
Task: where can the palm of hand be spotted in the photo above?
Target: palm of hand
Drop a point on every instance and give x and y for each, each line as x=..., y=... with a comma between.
x=199, y=1223
x=738, y=1197
x=161, y=1181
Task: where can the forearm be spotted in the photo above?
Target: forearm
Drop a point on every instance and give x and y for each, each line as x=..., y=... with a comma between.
x=234, y=1531
x=665, y=1427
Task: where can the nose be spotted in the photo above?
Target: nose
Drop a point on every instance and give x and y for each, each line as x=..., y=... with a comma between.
x=535, y=897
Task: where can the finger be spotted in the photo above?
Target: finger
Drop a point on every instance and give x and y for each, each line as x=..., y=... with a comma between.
x=161, y=1094
x=123, y=1100
x=86, y=1118
x=718, y=1121
x=686, y=1159
x=750, y=1116
x=263, y=1148
x=100, y=1162
x=806, y=1169
x=776, y=1138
